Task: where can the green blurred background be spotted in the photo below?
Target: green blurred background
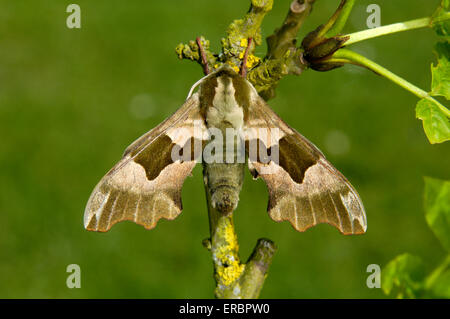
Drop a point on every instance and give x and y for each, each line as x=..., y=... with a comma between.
x=72, y=100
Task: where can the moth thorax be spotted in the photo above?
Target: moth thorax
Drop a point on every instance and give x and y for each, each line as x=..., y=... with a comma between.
x=226, y=145
x=224, y=109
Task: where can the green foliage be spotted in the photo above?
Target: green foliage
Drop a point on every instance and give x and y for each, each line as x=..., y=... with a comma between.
x=442, y=28
x=440, y=85
x=436, y=122
x=403, y=277
x=441, y=286
x=437, y=209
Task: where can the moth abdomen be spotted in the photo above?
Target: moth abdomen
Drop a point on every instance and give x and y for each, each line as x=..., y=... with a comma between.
x=225, y=199
x=224, y=183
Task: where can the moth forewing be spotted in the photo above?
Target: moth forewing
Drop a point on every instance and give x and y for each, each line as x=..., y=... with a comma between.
x=304, y=188
x=145, y=185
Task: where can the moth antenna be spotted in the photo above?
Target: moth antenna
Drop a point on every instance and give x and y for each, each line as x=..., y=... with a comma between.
x=203, y=56
x=191, y=91
x=244, y=60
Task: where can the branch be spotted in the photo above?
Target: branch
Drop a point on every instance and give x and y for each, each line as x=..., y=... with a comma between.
x=235, y=280
x=192, y=51
x=284, y=38
x=235, y=44
x=283, y=57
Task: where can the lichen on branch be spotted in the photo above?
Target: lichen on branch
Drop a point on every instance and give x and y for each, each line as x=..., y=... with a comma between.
x=235, y=280
x=283, y=56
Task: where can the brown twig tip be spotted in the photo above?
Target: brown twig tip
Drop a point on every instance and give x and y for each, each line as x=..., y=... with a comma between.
x=202, y=55
x=245, y=58
x=297, y=6
x=263, y=253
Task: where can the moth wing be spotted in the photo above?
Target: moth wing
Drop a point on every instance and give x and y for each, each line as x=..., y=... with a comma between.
x=304, y=188
x=145, y=185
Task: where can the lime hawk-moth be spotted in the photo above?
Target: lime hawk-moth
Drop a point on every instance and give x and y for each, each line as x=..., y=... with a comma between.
x=145, y=185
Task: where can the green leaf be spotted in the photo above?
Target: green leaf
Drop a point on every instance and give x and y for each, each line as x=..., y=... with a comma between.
x=435, y=123
x=437, y=284
x=440, y=85
x=441, y=288
x=437, y=209
x=403, y=277
x=442, y=28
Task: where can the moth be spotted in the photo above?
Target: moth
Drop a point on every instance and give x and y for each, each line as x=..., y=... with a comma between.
x=145, y=185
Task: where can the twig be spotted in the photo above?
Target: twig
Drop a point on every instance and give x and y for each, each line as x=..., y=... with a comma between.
x=203, y=56
x=285, y=37
x=283, y=57
x=244, y=60
x=197, y=51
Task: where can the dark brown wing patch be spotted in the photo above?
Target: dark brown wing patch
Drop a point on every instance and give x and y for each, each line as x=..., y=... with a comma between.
x=294, y=159
x=156, y=156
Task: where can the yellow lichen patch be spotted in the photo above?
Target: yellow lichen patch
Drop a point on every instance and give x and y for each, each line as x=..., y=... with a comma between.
x=230, y=268
x=244, y=43
x=228, y=275
x=235, y=68
x=252, y=60
x=230, y=237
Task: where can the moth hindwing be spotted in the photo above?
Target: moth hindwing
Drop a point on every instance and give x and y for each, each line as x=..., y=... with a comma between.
x=304, y=188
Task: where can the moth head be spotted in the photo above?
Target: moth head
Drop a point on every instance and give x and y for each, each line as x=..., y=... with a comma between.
x=208, y=83
x=224, y=81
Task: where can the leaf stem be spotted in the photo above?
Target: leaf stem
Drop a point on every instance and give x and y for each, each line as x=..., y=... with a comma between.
x=341, y=17
x=395, y=28
x=347, y=56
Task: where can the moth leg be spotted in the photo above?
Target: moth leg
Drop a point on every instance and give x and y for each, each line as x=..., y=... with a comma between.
x=203, y=56
x=243, y=71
